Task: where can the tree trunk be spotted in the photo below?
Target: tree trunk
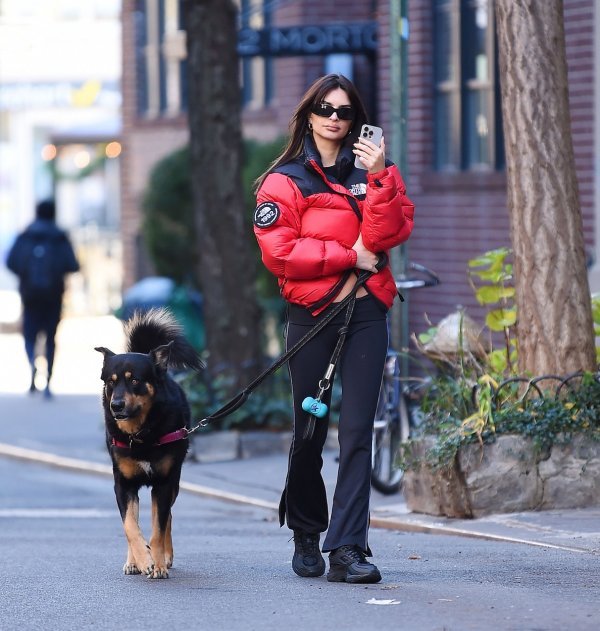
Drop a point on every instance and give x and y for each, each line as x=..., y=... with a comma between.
x=554, y=328
x=226, y=265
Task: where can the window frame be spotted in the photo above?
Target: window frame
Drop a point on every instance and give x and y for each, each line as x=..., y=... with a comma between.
x=256, y=73
x=160, y=59
x=452, y=137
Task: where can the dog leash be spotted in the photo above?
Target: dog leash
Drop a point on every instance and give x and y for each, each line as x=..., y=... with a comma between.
x=314, y=405
x=239, y=399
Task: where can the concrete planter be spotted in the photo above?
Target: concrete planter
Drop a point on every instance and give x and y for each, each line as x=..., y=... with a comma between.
x=235, y=445
x=504, y=477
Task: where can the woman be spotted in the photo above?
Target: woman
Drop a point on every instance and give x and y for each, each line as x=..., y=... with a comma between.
x=319, y=220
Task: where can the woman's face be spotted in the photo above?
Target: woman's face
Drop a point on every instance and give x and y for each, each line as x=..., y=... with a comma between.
x=329, y=124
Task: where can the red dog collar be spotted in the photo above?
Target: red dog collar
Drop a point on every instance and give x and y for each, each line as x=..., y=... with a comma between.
x=180, y=434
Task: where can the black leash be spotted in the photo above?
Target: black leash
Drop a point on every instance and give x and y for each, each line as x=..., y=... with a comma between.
x=348, y=302
x=314, y=405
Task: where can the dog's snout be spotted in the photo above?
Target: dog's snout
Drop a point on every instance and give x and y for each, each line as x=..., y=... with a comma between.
x=117, y=405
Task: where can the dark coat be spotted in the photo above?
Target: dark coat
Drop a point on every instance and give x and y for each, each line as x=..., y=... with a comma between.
x=62, y=260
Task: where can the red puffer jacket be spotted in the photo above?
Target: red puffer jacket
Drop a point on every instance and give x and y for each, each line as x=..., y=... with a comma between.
x=306, y=223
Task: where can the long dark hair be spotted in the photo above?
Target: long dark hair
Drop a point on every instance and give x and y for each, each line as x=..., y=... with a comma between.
x=298, y=126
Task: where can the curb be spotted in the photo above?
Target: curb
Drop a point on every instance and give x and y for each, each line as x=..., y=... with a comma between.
x=233, y=444
x=412, y=525
x=86, y=466
x=225, y=445
x=424, y=528
x=73, y=464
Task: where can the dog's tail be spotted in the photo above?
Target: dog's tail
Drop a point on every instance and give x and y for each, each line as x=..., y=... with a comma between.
x=148, y=330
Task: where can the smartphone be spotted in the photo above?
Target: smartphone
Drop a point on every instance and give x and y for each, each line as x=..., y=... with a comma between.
x=372, y=133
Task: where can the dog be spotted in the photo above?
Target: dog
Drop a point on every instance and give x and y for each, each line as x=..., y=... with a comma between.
x=147, y=418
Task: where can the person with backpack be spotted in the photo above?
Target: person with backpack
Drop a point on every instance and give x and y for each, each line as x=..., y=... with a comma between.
x=41, y=257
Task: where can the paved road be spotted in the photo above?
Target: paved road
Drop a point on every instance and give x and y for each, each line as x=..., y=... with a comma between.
x=63, y=545
x=63, y=549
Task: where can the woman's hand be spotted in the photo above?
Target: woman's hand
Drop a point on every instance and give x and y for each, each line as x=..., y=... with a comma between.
x=372, y=156
x=365, y=259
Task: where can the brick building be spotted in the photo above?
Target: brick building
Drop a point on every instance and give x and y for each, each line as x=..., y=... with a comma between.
x=453, y=162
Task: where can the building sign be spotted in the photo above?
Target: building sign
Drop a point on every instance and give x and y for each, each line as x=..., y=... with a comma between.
x=20, y=96
x=325, y=39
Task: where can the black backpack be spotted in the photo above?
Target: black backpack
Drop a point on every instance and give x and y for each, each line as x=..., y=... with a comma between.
x=41, y=277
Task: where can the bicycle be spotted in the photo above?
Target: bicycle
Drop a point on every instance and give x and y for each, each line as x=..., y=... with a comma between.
x=397, y=414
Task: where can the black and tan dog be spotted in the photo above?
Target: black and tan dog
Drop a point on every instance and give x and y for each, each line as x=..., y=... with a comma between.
x=147, y=418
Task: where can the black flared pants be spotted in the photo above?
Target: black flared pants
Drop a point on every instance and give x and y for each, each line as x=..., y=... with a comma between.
x=304, y=502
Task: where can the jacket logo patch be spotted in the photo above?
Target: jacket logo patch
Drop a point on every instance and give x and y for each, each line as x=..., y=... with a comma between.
x=266, y=214
x=358, y=189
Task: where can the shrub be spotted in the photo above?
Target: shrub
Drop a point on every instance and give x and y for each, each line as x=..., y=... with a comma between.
x=457, y=413
x=168, y=214
x=168, y=218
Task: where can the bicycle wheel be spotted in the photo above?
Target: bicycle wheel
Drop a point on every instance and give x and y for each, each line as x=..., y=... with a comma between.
x=391, y=428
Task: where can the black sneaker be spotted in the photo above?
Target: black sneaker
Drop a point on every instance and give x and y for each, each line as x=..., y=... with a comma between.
x=307, y=560
x=348, y=564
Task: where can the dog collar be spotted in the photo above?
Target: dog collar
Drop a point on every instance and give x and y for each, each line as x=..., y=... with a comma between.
x=171, y=437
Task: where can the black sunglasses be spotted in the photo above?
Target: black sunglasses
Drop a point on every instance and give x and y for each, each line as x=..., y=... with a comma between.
x=344, y=113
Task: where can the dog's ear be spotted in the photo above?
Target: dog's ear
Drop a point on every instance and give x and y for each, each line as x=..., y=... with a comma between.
x=105, y=351
x=161, y=355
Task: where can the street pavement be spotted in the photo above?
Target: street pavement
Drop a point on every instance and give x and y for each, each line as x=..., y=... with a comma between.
x=67, y=431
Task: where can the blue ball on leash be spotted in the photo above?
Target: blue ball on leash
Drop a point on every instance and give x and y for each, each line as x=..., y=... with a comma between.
x=314, y=406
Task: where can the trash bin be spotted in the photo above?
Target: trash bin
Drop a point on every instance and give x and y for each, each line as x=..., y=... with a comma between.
x=183, y=302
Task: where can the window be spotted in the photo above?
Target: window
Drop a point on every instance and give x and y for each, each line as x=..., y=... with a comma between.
x=161, y=57
x=160, y=50
x=141, y=69
x=256, y=72
x=468, y=130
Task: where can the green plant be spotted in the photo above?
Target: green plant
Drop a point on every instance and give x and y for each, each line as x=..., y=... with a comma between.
x=168, y=224
x=555, y=419
x=455, y=416
x=596, y=316
x=483, y=418
x=477, y=396
x=493, y=290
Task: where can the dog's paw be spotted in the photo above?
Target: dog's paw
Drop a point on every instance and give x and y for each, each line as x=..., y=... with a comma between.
x=131, y=568
x=168, y=560
x=159, y=572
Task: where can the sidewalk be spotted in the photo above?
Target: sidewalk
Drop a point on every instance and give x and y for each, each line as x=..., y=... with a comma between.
x=67, y=431
x=76, y=364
